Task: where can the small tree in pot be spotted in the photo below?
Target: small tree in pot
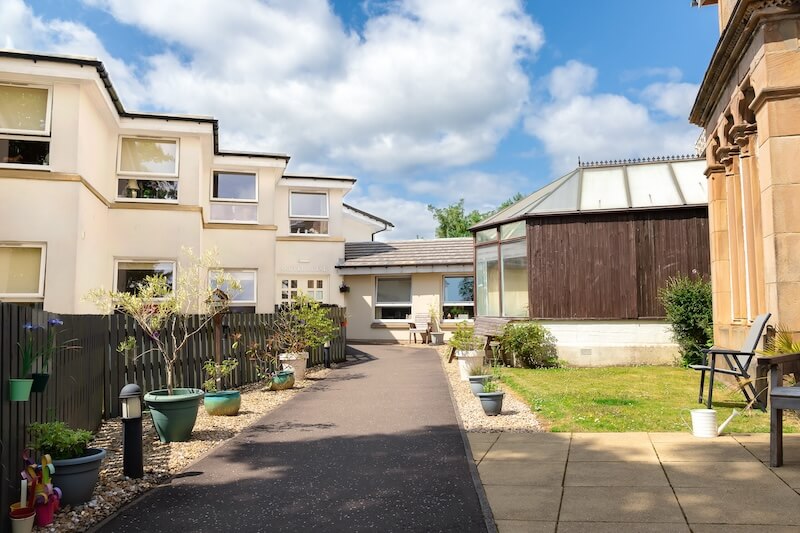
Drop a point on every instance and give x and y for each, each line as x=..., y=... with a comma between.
x=298, y=326
x=162, y=311
x=467, y=346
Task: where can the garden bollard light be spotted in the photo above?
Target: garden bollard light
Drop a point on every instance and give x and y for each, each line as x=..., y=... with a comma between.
x=327, y=354
x=131, y=398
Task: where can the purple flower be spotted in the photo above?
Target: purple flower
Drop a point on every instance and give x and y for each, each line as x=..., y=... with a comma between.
x=55, y=322
x=32, y=327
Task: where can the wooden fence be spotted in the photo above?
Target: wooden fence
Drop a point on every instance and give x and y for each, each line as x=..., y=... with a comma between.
x=85, y=383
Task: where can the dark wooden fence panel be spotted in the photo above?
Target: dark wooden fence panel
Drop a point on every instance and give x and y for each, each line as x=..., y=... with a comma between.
x=85, y=382
x=612, y=265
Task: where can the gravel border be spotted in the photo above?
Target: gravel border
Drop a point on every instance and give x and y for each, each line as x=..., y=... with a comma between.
x=516, y=416
x=162, y=461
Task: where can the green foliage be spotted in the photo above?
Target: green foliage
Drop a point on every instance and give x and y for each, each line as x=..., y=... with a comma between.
x=32, y=350
x=302, y=324
x=508, y=203
x=464, y=338
x=452, y=221
x=479, y=370
x=217, y=372
x=265, y=359
x=531, y=343
x=687, y=302
x=58, y=440
x=490, y=386
x=783, y=343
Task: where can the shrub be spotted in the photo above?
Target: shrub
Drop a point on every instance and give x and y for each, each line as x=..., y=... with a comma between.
x=532, y=344
x=302, y=324
x=58, y=440
x=687, y=302
x=464, y=338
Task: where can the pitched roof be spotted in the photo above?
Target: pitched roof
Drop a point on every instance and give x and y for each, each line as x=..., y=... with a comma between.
x=614, y=186
x=417, y=253
x=368, y=215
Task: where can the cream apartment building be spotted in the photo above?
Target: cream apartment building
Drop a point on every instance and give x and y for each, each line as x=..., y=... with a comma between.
x=93, y=195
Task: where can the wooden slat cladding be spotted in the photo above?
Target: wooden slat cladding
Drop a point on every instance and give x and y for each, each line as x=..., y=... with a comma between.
x=611, y=265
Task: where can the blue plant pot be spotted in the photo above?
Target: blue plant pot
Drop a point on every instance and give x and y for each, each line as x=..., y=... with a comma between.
x=492, y=402
x=223, y=403
x=77, y=477
x=283, y=379
x=476, y=383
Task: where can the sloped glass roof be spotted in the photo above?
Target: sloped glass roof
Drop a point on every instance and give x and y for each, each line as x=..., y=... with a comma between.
x=633, y=184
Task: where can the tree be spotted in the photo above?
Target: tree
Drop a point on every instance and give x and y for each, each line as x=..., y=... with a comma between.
x=453, y=221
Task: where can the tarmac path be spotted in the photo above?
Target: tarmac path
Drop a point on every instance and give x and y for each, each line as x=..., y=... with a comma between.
x=375, y=446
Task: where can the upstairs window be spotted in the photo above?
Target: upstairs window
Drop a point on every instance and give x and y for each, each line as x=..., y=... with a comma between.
x=24, y=126
x=147, y=169
x=22, y=271
x=308, y=213
x=234, y=197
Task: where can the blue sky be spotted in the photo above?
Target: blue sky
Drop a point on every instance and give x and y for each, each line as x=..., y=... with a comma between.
x=423, y=101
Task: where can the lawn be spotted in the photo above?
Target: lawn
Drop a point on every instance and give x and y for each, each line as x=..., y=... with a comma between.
x=644, y=398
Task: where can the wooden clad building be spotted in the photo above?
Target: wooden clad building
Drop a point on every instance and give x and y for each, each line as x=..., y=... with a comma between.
x=589, y=252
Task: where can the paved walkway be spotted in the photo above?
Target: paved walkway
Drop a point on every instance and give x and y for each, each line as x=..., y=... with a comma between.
x=656, y=482
x=375, y=446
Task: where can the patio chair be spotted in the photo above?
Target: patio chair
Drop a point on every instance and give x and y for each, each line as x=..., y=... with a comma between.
x=738, y=362
x=780, y=398
x=420, y=325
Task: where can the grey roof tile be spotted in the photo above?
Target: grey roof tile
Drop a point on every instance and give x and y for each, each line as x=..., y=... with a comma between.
x=409, y=253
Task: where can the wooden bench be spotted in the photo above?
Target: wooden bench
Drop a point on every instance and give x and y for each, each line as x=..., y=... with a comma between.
x=780, y=398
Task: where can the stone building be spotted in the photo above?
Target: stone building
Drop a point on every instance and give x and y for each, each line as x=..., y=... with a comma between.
x=749, y=108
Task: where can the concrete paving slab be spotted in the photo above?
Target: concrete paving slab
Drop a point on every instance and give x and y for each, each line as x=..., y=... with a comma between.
x=740, y=505
x=620, y=504
x=695, y=474
x=603, y=437
x=680, y=437
x=612, y=449
x=713, y=451
x=534, y=451
x=513, y=502
x=480, y=444
x=525, y=526
x=617, y=527
x=535, y=438
x=758, y=445
x=615, y=474
x=500, y=472
x=728, y=528
x=789, y=473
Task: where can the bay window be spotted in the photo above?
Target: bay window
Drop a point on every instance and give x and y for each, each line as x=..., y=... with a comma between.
x=234, y=197
x=458, y=298
x=308, y=213
x=147, y=169
x=24, y=126
x=22, y=271
x=392, y=298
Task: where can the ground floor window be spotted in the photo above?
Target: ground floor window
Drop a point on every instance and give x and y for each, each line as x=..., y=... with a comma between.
x=131, y=274
x=487, y=270
x=392, y=298
x=515, y=279
x=311, y=287
x=22, y=271
x=458, y=298
x=244, y=299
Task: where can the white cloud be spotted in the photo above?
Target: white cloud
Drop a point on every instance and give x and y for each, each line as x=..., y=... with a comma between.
x=427, y=83
x=674, y=99
x=480, y=190
x=411, y=217
x=608, y=126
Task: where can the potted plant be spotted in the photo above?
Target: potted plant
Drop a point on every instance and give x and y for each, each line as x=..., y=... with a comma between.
x=298, y=326
x=266, y=362
x=76, y=465
x=220, y=402
x=163, y=313
x=491, y=398
x=478, y=375
x=41, y=378
x=19, y=389
x=436, y=333
x=466, y=344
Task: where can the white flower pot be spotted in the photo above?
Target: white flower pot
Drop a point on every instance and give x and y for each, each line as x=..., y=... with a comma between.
x=297, y=361
x=466, y=361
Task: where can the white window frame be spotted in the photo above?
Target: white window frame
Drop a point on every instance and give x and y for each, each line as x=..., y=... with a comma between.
x=232, y=201
x=234, y=302
x=327, y=216
x=457, y=304
x=304, y=290
x=39, y=295
x=48, y=112
x=30, y=135
x=377, y=304
x=140, y=260
x=148, y=176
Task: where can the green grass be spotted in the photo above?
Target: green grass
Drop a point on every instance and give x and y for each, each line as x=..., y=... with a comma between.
x=644, y=398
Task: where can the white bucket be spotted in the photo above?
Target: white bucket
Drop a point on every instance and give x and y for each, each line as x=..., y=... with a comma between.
x=704, y=423
x=466, y=361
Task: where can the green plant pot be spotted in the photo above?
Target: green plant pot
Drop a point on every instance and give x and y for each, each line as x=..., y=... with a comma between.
x=19, y=390
x=174, y=415
x=77, y=477
x=223, y=403
x=283, y=379
x=39, y=382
